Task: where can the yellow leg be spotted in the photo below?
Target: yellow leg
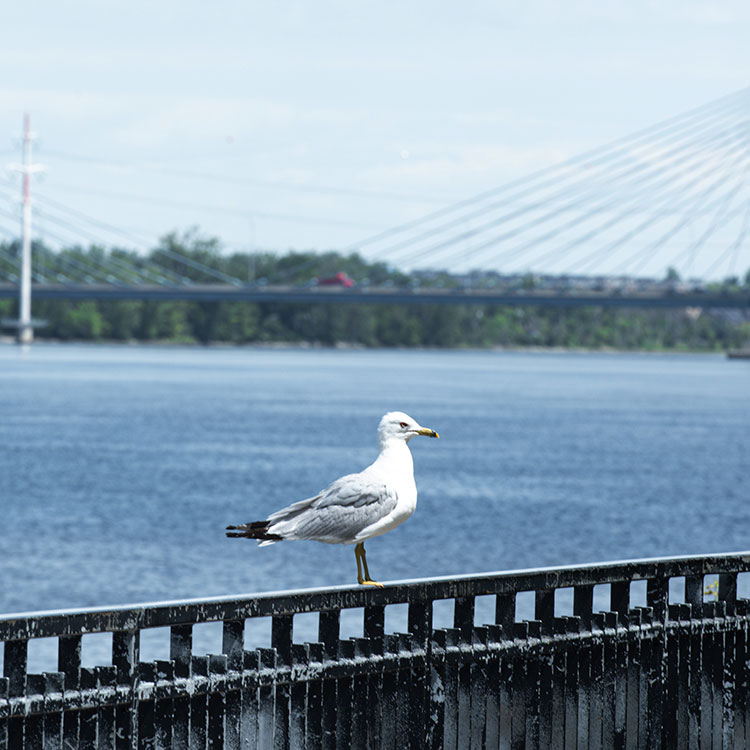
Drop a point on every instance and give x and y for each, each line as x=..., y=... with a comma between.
x=359, y=554
x=360, y=580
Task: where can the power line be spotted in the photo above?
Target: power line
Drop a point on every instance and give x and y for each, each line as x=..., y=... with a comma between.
x=191, y=262
x=91, y=267
x=129, y=236
x=160, y=275
x=246, y=214
x=269, y=184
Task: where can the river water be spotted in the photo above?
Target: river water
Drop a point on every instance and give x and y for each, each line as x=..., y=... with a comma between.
x=120, y=466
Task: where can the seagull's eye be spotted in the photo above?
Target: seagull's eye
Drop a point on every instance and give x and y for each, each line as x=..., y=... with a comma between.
x=404, y=425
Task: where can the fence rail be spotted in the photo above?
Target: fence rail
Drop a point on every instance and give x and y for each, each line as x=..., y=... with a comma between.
x=646, y=653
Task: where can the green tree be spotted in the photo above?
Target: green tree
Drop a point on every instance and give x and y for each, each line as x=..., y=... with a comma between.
x=121, y=319
x=80, y=320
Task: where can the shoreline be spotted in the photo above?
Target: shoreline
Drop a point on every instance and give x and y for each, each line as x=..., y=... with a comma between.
x=306, y=345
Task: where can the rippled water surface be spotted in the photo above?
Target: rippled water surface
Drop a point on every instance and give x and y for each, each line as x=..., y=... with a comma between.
x=120, y=466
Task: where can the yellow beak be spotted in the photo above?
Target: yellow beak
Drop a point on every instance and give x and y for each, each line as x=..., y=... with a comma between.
x=427, y=432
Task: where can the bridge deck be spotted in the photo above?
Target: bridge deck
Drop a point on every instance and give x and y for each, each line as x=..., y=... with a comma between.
x=375, y=295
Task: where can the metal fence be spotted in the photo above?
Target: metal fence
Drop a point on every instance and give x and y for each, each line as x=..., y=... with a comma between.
x=639, y=654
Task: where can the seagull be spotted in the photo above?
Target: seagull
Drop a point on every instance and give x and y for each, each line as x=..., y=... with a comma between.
x=355, y=507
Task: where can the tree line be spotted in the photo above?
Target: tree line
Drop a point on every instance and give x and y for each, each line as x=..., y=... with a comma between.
x=198, y=259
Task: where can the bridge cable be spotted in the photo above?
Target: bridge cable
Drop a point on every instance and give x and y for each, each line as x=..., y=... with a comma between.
x=691, y=201
x=563, y=192
x=558, y=254
x=599, y=155
x=686, y=219
x=650, y=170
x=719, y=215
x=733, y=249
x=665, y=198
x=724, y=205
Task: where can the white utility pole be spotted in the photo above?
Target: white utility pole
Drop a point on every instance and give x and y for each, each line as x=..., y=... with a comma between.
x=26, y=168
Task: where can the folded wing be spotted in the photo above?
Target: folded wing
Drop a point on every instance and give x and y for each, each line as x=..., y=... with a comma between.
x=338, y=513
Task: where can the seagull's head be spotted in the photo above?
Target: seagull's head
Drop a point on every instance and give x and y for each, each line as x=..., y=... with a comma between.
x=399, y=426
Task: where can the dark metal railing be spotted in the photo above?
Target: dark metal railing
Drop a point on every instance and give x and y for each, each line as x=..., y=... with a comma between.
x=647, y=653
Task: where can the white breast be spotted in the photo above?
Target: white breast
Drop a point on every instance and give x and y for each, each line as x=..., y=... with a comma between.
x=395, y=468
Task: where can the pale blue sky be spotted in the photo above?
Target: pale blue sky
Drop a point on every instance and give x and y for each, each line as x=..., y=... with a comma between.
x=403, y=107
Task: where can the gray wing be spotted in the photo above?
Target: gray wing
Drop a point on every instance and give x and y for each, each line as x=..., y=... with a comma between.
x=338, y=513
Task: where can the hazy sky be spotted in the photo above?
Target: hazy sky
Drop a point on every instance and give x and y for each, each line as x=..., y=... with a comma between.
x=313, y=125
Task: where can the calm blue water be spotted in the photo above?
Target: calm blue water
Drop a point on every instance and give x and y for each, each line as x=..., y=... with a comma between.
x=120, y=466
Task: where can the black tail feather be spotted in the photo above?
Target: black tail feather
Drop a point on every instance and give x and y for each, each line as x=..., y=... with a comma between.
x=254, y=530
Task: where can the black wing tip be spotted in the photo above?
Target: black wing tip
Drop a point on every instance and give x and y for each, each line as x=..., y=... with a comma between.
x=255, y=530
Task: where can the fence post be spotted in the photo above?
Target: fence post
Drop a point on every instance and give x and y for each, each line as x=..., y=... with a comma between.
x=281, y=642
x=505, y=613
x=14, y=666
x=583, y=604
x=125, y=655
x=657, y=597
x=728, y=587
x=329, y=627
x=15, y=662
x=544, y=608
x=420, y=699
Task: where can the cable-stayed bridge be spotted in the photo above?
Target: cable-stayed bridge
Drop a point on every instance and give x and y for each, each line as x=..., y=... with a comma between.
x=599, y=228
